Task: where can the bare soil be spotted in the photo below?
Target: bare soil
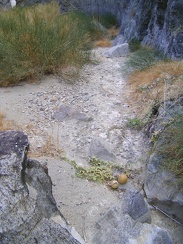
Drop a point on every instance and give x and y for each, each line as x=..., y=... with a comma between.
x=62, y=119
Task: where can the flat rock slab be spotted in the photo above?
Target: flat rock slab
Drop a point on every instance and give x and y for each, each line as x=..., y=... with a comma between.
x=99, y=150
x=66, y=113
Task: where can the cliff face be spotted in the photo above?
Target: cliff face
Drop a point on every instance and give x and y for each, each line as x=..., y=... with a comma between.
x=158, y=23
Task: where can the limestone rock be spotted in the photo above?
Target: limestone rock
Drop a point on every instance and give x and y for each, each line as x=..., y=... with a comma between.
x=120, y=50
x=27, y=206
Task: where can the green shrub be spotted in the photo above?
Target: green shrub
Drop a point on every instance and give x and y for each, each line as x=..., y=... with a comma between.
x=39, y=40
x=144, y=58
x=135, y=123
x=172, y=146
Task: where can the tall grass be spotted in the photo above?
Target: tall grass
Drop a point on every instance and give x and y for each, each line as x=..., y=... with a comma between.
x=39, y=40
x=145, y=57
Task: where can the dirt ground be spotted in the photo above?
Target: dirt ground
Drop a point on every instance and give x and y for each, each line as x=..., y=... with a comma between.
x=63, y=118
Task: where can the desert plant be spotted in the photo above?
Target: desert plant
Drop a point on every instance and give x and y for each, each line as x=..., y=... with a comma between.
x=98, y=170
x=39, y=40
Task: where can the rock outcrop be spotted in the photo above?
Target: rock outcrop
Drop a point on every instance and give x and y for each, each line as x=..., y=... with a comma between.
x=128, y=223
x=28, y=211
x=163, y=187
x=156, y=23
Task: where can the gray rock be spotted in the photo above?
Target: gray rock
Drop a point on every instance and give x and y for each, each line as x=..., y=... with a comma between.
x=155, y=23
x=116, y=226
x=138, y=208
x=98, y=150
x=28, y=211
x=152, y=235
x=121, y=50
x=118, y=40
x=66, y=113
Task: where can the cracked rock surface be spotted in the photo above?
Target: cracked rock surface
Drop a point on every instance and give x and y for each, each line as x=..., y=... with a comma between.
x=24, y=218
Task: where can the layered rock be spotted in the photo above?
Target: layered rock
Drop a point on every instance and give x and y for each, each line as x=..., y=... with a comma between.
x=28, y=211
x=156, y=23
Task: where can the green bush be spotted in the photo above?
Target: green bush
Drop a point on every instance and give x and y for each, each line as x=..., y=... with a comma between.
x=39, y=40
x=135, y=123
x=144, y=58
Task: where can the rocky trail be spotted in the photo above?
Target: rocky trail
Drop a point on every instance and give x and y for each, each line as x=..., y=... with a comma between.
x=76, y=121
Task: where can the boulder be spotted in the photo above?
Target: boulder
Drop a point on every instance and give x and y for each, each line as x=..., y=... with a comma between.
x=120, y=50
x=28, y=211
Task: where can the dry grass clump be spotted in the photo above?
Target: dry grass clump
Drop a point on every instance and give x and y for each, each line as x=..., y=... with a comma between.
x=5, y=124
x=49, y=148
x=103, y=43
x=112, y=32
x=39, y=40
x=163, y=81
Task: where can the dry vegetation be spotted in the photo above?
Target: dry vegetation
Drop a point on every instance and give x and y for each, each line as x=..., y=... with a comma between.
x=162, y=81
x=48, y=147
x=39, y=40
x=151, y=83
x=102, y=43
x=6, y=124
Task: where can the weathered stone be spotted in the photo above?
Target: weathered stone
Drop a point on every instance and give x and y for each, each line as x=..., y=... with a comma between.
x=116, y=226
x=98, y=150
x=118, y=51
x=27, y=206
x=152, y=235
x=118, y=40
x=138, y=208
x=66, y=112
